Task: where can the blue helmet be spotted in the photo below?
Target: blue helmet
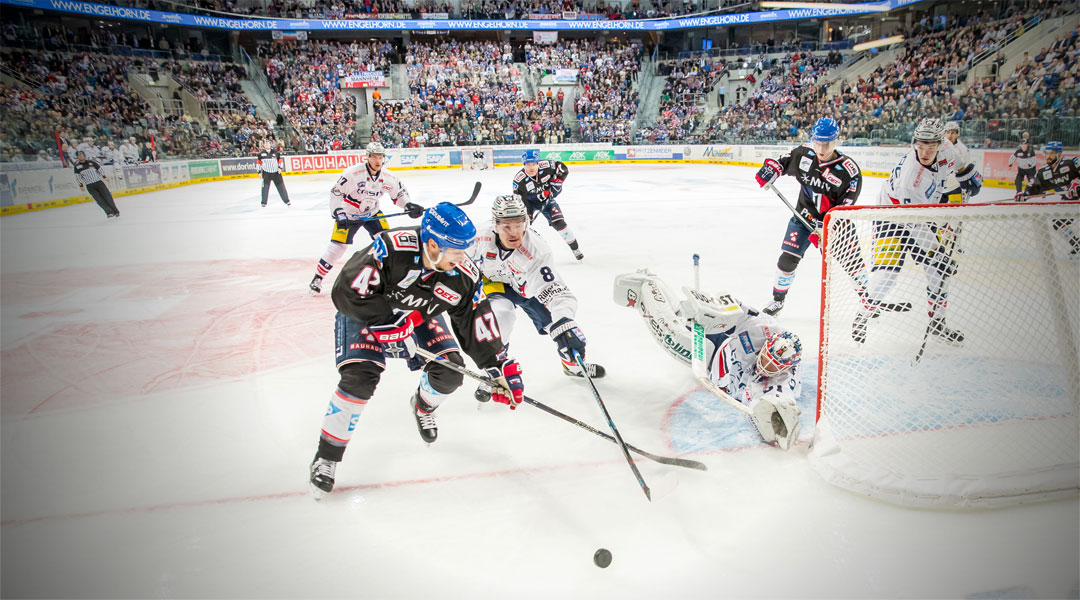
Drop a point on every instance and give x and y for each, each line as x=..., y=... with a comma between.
x=825, y=130
x=448, y=225
x=1054, y=147
x=530, y=156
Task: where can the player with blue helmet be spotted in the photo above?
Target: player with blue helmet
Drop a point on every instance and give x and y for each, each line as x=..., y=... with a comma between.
x=538, y=183
x=1059, y=176
x=827, y=178
x=412, y=287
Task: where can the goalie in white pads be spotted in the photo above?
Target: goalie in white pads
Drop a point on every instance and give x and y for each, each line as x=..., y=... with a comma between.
x=518, y=271
x=747, y=358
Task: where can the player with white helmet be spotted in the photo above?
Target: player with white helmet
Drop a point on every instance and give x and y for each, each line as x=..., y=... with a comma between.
x=918, y=178
x=747, y=355
x=965, y=169
x=130, y=151
x=354, y=200
x=518, y=271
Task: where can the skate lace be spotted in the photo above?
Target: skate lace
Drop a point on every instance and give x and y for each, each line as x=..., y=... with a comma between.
x=426, y=421
x=325, y=469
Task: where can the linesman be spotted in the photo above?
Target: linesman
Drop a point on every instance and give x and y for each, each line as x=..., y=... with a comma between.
x=270, y=165
x=89, y=175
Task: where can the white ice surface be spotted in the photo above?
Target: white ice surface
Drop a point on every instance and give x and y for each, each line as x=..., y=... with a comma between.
x=164, y=378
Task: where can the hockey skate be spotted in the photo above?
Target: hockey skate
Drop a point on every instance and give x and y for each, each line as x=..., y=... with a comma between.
x=482, y=393
x=576, y=250
x=322, y=477
x=951, y=337
x=425, y=421
x=315, y=286
x=858, y=326
x=773, y=307
x=574, y=370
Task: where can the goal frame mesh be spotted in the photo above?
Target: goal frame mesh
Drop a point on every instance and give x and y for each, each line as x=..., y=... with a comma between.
x=857, y=447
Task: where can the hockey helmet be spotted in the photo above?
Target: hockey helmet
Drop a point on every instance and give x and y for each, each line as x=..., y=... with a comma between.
x=530, y=156
x=376, y=148
x=929, y=130
x=781, y=352
x=1054, y=147
x=509, y=206
x=825, y=130
x=448, y=225
x=952, y=126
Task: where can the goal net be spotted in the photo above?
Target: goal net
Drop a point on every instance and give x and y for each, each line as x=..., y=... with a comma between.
x=477, y=158
x=970, y=397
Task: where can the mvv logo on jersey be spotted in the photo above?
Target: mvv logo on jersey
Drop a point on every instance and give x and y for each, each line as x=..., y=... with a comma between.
x=447, y=294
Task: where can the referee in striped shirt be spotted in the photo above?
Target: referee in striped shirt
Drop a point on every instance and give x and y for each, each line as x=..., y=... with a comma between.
x=270, y=165
x=89, y=175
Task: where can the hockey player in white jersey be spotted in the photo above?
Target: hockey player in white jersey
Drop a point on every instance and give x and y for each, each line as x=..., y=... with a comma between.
x=919, y=178
x=518, y=271
x=748, y=358
x=354, y=200
x=965, y=169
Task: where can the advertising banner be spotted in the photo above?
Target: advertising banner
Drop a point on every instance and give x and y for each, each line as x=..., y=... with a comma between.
x=289, y=35
x=321, y=162
x=545, y=37
x=29, y=186
x=173, y=171
x=363, y=79
x=202, y=169
x=137, y=176
x=433, y=15
x=577, y=155
x=239, y=166
x=565, y=75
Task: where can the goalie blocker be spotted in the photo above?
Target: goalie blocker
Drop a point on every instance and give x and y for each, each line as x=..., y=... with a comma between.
x=740, y=355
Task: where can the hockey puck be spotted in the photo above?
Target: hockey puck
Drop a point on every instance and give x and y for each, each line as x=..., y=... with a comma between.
x=602, y=558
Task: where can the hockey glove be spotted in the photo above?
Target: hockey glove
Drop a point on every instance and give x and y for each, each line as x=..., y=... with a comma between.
x=561, y=171
x=815, y=237
x=509, y=388
x=415, y=211
x=341, y=218
x=1074, y=190
x=1020, y=197
x=972, y=185
x=397, y=337
x=568, y=336
x=768, y=173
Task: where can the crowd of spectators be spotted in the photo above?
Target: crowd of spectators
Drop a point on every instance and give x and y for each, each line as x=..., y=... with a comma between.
x=925, y=79
x=306, y=75
x=607, y=74
x=682, y=103
x=466, y=93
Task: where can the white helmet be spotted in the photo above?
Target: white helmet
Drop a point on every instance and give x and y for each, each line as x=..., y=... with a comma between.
x=509, y=206
x=929, y=130
x=952, y=126
x=376, y=148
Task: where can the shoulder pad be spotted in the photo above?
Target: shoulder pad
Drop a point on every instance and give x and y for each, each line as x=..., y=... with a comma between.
x=469, y=268
x=544, y=164
x=520, y=175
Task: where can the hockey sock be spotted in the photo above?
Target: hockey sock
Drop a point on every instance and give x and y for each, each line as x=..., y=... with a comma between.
x=431, y=399
x=783, y=283
x=333, y=253
x=339, y=422
x=568, y=236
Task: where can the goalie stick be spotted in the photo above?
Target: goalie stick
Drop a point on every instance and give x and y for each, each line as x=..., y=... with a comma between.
x=701, y=371
x=611, y=424
x=676, y=462
x=472, y=198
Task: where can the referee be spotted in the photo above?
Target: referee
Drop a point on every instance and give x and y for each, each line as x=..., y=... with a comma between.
x=270, y=165
x=89, y=175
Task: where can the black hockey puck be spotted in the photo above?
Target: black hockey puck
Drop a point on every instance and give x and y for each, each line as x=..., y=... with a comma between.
x=602, y=558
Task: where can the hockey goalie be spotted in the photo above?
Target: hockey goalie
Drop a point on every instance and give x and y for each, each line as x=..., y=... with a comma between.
x=742, y=356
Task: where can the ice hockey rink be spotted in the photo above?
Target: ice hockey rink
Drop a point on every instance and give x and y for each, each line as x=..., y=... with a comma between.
x=164, y=378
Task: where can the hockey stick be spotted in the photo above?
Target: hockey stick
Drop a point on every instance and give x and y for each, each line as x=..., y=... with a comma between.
x=697, y=272
x=472, y=198
x=677, y=462
x=791, y=207
x=611, y=424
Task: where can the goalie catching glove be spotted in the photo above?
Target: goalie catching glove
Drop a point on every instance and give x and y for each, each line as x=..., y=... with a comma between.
x=508, y=387
x=777, y=419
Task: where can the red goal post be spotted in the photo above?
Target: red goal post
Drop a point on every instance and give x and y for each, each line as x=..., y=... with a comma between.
x=905, y=416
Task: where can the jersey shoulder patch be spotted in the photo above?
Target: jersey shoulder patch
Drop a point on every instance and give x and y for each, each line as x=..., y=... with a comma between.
x=469, y=268
x=520, y=175
x=404, y=240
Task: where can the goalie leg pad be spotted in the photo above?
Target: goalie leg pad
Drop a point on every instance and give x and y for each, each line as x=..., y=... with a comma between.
x=655, y=302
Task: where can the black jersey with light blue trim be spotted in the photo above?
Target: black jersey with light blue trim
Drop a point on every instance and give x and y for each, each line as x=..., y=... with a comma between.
x=823, y=185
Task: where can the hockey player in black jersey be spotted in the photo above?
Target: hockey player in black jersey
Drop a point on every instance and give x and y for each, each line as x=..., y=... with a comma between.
x=539, y=182
x=394, y=296
x=1062, y=176
x=827, y=178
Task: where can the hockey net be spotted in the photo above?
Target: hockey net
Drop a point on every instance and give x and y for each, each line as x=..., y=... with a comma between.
x=908, y=417
x=477, y=158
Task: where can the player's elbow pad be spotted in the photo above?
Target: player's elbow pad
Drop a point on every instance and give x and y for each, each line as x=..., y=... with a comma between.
x=965, y=173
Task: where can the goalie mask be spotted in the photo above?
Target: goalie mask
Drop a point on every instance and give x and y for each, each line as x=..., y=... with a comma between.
x=781, y=352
